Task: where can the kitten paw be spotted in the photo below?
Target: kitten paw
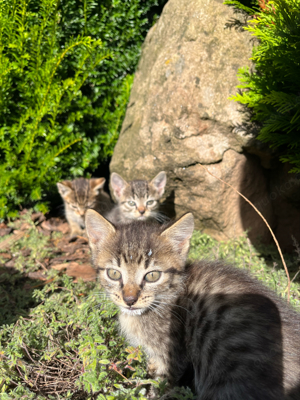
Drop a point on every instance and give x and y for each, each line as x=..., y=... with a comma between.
x=153, y=393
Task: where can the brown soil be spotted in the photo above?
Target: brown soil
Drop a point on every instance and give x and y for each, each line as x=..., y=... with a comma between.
x=69, y=257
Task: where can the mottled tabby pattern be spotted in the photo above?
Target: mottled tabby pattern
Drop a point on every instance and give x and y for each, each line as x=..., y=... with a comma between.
x=138, y=199
x=202, y=324
x=80, y=195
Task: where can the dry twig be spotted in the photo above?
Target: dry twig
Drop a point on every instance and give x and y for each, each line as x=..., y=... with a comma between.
x=265, y=221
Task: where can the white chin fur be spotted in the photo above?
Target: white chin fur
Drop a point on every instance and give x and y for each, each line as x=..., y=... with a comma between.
x=127, y=311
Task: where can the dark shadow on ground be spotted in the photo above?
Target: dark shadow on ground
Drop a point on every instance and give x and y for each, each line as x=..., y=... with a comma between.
x=275, y=192
x=16, y=295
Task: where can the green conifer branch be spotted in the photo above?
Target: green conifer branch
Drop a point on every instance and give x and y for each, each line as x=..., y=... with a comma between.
x=272, y=90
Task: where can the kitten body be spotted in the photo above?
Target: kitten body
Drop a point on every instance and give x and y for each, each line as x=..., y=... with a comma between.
x=204, y=324
x=78, y=196
x=137, y=199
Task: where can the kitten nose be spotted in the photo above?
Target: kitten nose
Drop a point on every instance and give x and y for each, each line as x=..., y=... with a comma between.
x=141, y=210
x=130, y=300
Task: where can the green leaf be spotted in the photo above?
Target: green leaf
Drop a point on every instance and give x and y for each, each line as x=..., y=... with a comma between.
x=105, y=362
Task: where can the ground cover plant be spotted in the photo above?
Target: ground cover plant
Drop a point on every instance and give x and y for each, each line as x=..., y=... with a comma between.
x=271, y=89
x=59, y=337
x=66, y=69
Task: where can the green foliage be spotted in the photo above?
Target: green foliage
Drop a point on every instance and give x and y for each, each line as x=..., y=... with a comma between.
x=264, y=262
x=71, y=328
x=35, y=139
x=272, y=90
x=65, y=76
x=32, y=247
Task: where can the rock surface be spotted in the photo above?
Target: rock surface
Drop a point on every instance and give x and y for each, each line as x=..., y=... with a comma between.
x=179, y=118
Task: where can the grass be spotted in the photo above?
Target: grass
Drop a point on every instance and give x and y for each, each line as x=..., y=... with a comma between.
x=59, y=339
x=262, y=261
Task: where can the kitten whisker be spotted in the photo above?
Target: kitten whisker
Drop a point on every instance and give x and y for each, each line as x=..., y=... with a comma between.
x=160, y=217
x=171, y=297
x=174, y=305
x=156, y=310
x=178, y=316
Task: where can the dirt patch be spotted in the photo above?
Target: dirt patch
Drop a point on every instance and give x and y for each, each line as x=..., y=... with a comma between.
x=69, y=257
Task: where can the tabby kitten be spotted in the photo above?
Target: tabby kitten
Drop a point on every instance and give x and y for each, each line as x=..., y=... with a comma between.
x=79, y=195
x=203, y=324
x=138, y=199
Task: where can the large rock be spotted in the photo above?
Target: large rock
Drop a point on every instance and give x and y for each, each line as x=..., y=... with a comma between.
x=179, y=117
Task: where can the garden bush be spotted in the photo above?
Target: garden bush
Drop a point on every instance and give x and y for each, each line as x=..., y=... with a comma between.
x=65, y=76
x=272, y=89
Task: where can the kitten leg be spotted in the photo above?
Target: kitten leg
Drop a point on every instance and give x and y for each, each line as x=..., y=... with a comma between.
x=152, y=367
x=157, y=370
x=75, y=230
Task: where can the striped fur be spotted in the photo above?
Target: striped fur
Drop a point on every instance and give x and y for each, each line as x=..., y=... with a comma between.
x=78, y=196
x=138, y=199
x=206, y=324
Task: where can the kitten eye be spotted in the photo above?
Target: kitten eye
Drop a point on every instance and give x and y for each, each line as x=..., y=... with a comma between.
x=114, y=274
x=131, y=203
x=74, y=206
x=152, y=276
x=150, y=202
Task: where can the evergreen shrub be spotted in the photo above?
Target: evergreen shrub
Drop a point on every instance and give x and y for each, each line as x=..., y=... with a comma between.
x=66, y=68
x=272, y=89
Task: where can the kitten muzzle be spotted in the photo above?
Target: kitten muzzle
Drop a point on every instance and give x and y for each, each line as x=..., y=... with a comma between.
x=132, y=311
x=130, y=300
x=130, y=295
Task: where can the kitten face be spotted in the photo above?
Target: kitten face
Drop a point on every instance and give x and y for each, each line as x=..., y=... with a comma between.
x=138, y=199
x=134, y=261
x=80, y=194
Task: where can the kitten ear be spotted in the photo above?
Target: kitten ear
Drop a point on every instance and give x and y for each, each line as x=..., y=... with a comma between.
x=98, y=228
x=64, y=188
x=118, y=184
x=159, y=182
x=180, y=232
x=97, y=184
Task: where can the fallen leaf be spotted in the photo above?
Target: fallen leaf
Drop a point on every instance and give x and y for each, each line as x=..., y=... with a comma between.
x=25, y=226
x=5, y=231
x=43, y=231
x=5, y=255
x=62, y=266
x=64, y=228
x=10, y=263
x=80, y=254
x=36, y=275
x=55, y=224
x=76, y=270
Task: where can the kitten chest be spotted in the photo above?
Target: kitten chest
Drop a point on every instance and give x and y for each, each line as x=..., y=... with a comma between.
x=146, y=332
